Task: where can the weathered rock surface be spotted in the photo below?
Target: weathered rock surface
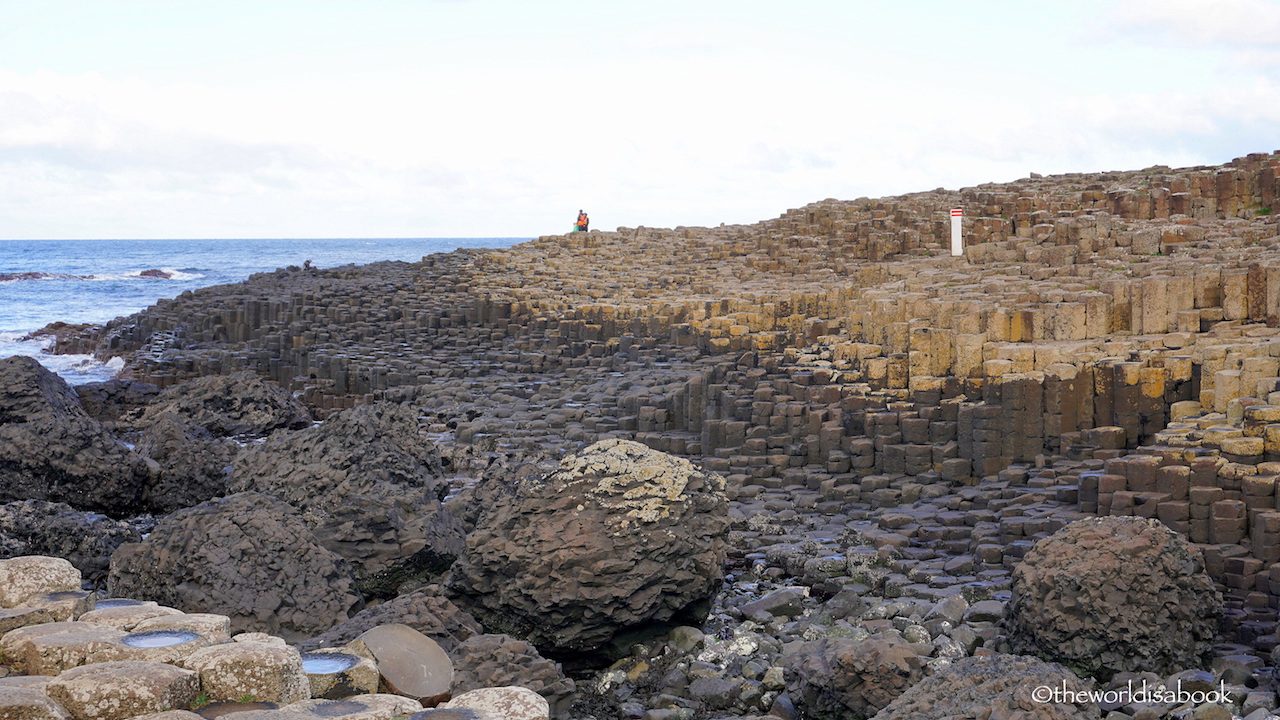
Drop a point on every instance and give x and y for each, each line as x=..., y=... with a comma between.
x=510, y=703
x=486, y=661
x=124, y=689
x=428, y=611
x=193, y=463
x=620, y=537
x=247, y=556
x=39, y=527
x=838, y=678
x=109, y=400
x=50, y=449
x=369, y=486
x=22, y=703
x=231, y=405
x=993, y=686
x=22, y=578
x=267, y=672
x=1109, y=594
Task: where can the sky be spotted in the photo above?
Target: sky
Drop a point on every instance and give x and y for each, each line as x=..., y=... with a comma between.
x=503, y=118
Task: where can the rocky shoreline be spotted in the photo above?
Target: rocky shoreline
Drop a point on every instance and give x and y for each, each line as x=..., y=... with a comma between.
x=812, y=467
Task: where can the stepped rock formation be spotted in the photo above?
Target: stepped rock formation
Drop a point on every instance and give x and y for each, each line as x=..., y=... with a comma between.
x=896, y=428
x=618, y=538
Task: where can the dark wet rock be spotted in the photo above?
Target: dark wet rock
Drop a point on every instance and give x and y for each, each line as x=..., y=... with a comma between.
x=428, y=611
x=619, y=538
x=38, y=527
x=193, y=463
x=993, y=686
x=836, y=678
x=493, y=660
x=247, y=556
x=50, y=449
x=107, y=401
x=369, y=486
x=1111, y=594
x=155, y=274
x=231, y=405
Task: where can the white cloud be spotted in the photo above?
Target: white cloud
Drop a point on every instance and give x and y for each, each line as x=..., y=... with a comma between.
x=1230, y=22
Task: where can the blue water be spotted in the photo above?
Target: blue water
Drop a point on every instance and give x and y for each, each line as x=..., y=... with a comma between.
x=107, y=280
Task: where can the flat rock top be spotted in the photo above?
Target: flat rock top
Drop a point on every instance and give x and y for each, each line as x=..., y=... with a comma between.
x=411, y=663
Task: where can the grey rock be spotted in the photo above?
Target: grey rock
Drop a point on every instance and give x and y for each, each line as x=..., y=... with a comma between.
x=50, y=449
x=38, y=527
x=369, y=486
x=247, y=556
x=619, y=538
x=1111, y=594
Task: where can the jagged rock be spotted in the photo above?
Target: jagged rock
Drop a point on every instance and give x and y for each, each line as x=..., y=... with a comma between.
x=993, y=686
x=496, y=472
x=50, y=449
x=247, y=556
x=230, y=405
x=837, y=678
x=1109, y=594
x=39, y=527
x=489, y=660
x=193, y=462
x=509, y=703
x=369, y=486
x=22, y=578
x=107, y=401
x=618, y=538
x=268, y=672
x=428, y=611
x=114, y=691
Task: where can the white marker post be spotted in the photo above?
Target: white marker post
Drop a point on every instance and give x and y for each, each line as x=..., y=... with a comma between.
x=957, y=242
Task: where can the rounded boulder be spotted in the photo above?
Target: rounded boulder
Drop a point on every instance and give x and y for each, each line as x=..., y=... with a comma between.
x=618, y=539
x=1111, y=594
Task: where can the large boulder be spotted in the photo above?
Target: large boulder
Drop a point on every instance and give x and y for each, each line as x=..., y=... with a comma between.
x=50, y=449
x=619, y=539
x=240, y=404
x=996, y=686
x=369, y=485
x=428, y=611
x=193, y=463
x=247, y=556
x=39, y=527
x=843, y=678
x=1109, y=594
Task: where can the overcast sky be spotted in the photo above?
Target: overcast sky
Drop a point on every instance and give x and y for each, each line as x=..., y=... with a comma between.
x=489, y=118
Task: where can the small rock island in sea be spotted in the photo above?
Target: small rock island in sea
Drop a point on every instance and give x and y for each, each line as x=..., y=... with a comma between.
x=815, y=467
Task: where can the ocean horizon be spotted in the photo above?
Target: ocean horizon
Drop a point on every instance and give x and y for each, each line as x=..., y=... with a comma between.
x=96, y=280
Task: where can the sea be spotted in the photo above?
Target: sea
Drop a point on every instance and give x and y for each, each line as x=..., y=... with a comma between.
x=93, y=281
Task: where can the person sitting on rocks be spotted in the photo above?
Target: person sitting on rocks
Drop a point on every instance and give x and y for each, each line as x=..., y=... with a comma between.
x=581, y=224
